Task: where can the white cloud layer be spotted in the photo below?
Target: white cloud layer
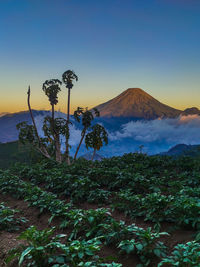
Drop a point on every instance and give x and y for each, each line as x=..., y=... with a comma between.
x=75, y=133
x=156, y=135
x=184, y=129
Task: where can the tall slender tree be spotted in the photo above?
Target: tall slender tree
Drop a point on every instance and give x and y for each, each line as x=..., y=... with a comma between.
x=51, y=89
x=68, y=77
x=96, y=138
x=54, y=128
x=86, y=117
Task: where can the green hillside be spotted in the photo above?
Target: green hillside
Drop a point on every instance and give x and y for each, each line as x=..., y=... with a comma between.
x=13, y=152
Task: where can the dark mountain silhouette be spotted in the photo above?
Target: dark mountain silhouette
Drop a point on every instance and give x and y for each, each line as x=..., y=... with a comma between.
x=183, y=150
x=8, y=131
x=134, y=102
x=191, y=111
x=3, y=114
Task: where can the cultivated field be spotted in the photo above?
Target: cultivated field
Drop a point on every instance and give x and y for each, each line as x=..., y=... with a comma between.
x=126, y=211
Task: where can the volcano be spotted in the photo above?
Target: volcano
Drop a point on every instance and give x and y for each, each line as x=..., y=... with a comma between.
x=136, y=103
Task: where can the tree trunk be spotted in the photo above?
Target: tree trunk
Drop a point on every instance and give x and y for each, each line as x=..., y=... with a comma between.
x=52, y=114
x=94, y=152
x=57, y=148
x=67, y=125
x=68, y=105
x=83, y=135
x=56, y=138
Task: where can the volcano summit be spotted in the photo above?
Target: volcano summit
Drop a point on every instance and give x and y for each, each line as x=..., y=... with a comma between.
x=134, y=102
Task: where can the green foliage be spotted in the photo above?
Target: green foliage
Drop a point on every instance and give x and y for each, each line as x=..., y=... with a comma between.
x=51, y=89
x=33, y=194
x=138, y=185
x=146, y=244
x=41, y=246
x=9, y=220
x=85, y=116
x=27, y=133
x=43, y=249
x=59, y=127
x=68, y=77
x=184, y=255
x=97, y=137
x=160, y=190
x=13, y=152
x=99, y=196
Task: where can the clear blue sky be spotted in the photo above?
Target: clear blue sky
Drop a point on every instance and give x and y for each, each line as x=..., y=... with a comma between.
x=110, y=44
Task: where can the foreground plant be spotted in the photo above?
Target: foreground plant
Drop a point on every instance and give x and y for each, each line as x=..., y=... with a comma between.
x=146, y=245
x=8, y=219
x=184, y=255
x=45, y=250
x=40, y=247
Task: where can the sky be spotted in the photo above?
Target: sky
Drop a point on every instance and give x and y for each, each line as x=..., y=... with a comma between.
x=111, y=45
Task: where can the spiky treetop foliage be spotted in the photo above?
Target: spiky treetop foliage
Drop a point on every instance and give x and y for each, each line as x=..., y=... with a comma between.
x=86, y=116
x=51, y=89
x=97, y=137
x=68, y=77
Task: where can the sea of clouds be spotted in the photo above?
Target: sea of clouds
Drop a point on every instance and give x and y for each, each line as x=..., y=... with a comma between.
x=156, y=135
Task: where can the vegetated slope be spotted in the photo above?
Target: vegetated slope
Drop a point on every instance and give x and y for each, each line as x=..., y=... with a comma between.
x=13, y=152
x=134, y=102
x=113, y=202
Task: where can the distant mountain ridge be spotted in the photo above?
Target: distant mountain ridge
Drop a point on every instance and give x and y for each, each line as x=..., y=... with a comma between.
x=136, y=103
x=8, y=122
x=183, y=150
x=3, y=114
x=131, y=105
x=191, y=111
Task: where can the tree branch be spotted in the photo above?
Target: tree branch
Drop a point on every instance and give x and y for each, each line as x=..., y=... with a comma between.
x=42, y=149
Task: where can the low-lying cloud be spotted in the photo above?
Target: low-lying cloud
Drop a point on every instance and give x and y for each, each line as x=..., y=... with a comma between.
x=75, y=133
x=156, y=135
x=184, y=129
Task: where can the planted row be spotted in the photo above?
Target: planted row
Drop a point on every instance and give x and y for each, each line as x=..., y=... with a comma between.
x=9, y=219
x=181, y=209
x=87, y=224
x=44, y=249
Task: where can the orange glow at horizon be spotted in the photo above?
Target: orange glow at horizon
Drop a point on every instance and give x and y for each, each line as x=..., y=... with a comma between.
x=14, y=107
